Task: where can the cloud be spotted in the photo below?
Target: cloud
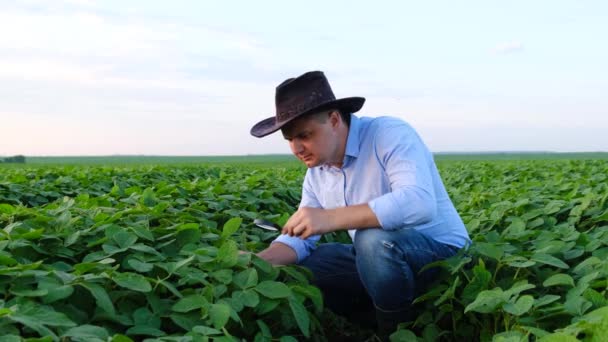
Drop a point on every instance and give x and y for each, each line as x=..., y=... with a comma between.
x=508, y=47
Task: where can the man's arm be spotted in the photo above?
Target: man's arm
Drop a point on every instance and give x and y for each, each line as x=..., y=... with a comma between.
x=279, y=254
x=315, y=221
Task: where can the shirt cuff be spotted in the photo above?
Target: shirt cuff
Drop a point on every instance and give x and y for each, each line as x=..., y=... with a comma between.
x=301, y=247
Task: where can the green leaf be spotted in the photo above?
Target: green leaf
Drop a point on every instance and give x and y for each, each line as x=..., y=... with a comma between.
x=261, y=264
x=481, y=280
x=170, y=287
x=311, y=292
x=301, y=315
x=219, y=314
x=228, y=254
x=487, y=301
x=187, y=321
x=223, y=276
x=559, y=279
x=596, y=298
x=29, y=292
x=87, y=333
x=6, y=209
x=139, y=266
x=55, y=290
x=248, y=298
x=545, y=300
x=132, y=281
x=149, y=200
x=190, y=303
x=247, y=278
x=6, y=259
x=121, y=338
x=577, y=305
x=146, y=249
x=38, y=317
x=124, y=239
x=205, y=331
x=264, y=329
x=549, y=260
x=143, y=233
x=520, y=307
x=558, y=337
x=287, y=339
x=231, y=226
x=144, y=317
x=490, y=250
x=518, y=287
x=101, y=297
x=273, y=289
x=145, y=331
x=188, y=233
x=11, y=338
x=403, y=335
x=516, y=228
x=266, y=305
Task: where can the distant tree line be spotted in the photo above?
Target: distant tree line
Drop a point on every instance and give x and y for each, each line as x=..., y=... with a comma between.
x=14, y=159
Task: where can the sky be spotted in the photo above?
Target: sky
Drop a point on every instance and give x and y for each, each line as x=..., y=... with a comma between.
x=152, y=77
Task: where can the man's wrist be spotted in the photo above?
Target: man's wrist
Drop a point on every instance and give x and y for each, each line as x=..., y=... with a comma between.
x=334, y=220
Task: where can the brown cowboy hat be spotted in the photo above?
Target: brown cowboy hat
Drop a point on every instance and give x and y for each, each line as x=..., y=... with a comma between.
x=308, y=93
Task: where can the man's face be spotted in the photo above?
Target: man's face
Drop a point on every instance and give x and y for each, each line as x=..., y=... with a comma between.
x=311, y=140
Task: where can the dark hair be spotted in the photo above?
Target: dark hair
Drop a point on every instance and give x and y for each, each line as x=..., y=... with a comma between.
x=323, y=118
x=345, y=117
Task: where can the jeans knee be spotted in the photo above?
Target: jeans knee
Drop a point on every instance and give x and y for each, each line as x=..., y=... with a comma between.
x=372, y=243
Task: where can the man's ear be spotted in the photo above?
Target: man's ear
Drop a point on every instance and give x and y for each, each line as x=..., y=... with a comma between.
x=334, y=118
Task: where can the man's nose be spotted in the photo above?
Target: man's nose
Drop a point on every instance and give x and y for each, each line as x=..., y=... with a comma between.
x=296, y=146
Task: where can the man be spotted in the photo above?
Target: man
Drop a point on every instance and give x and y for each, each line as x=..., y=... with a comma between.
x=374, y=177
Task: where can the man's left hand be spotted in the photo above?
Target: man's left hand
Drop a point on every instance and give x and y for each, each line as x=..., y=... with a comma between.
x=308, y=221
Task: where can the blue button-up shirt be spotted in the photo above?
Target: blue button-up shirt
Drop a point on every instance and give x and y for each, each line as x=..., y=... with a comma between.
x=387, y=166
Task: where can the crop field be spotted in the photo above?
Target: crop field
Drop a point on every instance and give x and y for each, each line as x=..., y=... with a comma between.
x=151, y=252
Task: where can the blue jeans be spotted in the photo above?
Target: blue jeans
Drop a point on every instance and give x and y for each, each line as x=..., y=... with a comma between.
x=379, y=272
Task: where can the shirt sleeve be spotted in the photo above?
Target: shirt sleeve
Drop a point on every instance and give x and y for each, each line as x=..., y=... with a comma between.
x=407, y=163
x=303, y=248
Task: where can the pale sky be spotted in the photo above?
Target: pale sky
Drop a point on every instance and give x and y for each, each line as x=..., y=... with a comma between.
x=84, y=77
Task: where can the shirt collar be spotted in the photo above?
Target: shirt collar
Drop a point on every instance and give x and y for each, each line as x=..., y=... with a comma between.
x=352, y=142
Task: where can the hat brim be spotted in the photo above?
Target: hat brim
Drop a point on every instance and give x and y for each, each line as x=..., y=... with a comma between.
x=270, y=125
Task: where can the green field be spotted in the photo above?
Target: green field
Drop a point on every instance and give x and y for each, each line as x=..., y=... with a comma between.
x=285, y=158
x=121, y=249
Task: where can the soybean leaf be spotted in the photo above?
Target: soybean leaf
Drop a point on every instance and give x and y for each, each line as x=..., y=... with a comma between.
x=520, y=307
x=87, y=333
x=301, y=315
x=549, y=260
x=219, y=314
x=311, y=292
x=124, y=239
x=273, y=289
x=231, y=226
x=487, y=301
x=139, y=266
x=559, y=279
x=132, y=281
x=190, y=303
x=39, y=317
x=205, y=331
x=145, y=331
x=101, y=297
x=247, y=278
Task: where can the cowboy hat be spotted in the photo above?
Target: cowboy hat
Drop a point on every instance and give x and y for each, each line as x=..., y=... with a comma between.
x=306, y=94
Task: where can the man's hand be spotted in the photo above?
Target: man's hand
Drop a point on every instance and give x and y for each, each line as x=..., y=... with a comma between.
x=309, y=221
